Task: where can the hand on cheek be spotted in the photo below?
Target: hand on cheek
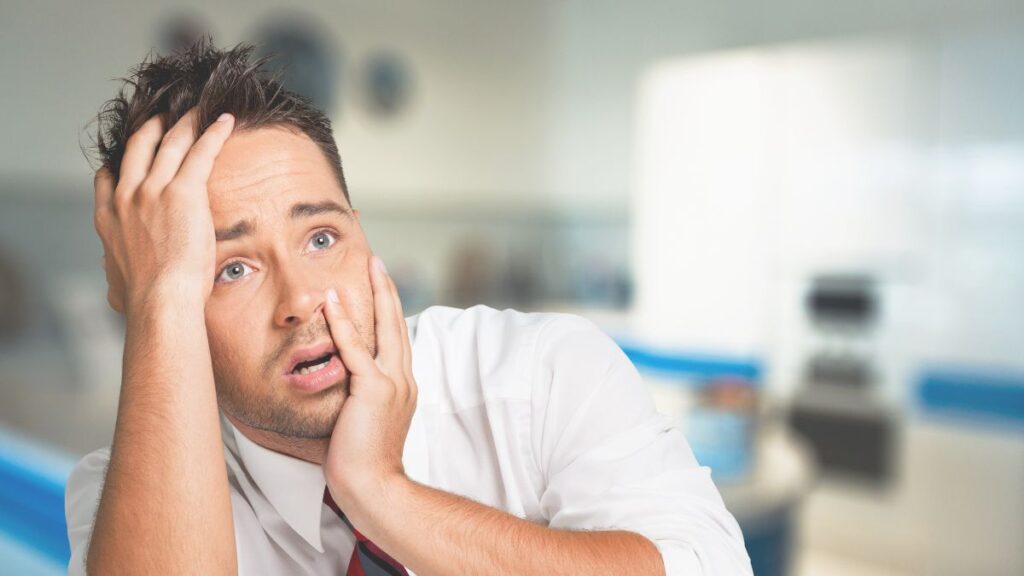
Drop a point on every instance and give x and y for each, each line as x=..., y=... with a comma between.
x=366, y=447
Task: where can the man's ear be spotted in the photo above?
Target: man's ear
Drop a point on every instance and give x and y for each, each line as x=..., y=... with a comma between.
x=355, y=211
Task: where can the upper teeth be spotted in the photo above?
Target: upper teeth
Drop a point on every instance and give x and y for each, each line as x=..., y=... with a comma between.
x=314, y=368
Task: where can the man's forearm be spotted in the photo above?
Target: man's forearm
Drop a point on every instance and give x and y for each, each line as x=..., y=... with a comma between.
x=165, y=506
x=437, y=533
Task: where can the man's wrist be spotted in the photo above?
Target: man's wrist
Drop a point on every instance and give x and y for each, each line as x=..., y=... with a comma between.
x=367, y=498
x=176, y=297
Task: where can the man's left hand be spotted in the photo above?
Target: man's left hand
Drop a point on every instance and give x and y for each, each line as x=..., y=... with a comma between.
x=365, y=453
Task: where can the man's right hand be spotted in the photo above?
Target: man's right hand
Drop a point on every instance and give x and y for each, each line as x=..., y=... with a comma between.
x=165, y=507
x=155, y=221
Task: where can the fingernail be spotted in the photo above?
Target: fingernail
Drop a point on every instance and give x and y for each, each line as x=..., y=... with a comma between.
x=224, y=117
x=380, y=264
x=332, y=295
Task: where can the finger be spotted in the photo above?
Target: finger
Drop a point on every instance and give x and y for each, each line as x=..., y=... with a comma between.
x=406, y=347
x=103, y=184
x=403, y=328
x=389, y=353
x=346, y=339
x=406, y=385
x=196, y=169
x=139, y=153
x=171, y=152
x=407, y=360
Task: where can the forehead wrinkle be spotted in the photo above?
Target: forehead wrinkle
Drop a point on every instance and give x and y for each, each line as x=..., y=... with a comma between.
x=244, y=215
x=226, y=180
x=256, y=158
x=266, y=165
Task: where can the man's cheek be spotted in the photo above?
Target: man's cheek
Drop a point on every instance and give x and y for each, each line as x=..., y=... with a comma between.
x=226, y=361
x=216, y=348
x=221, y=374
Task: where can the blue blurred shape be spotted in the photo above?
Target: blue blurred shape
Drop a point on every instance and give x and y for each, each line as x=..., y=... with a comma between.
x=32, y=479
x=698, y=367
x=24, y=561
x=720, y=440
x=986, y=395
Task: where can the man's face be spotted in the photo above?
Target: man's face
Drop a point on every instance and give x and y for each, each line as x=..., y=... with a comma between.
x=283, y=240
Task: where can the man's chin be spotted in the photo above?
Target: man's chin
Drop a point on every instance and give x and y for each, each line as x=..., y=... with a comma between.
x=311, y=417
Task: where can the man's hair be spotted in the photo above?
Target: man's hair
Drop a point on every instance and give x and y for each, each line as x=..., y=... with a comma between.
x=215, y=81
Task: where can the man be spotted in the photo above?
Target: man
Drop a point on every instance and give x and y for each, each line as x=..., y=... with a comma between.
x=279, y=415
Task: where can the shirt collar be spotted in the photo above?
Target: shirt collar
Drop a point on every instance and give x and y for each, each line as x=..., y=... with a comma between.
x=294, y=487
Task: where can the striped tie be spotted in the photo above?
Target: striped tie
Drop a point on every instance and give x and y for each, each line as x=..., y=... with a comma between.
x=367, y=558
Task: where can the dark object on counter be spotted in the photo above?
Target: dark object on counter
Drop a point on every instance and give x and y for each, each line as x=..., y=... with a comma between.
x=851, y=437
x=837, y=409
x=842, y=299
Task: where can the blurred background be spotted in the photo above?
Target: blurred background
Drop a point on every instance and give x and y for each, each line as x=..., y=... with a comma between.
x=802, y=220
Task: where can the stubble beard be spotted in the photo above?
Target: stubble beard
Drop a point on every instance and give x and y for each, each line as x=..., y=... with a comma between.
x=283, y=418
x=278, y=415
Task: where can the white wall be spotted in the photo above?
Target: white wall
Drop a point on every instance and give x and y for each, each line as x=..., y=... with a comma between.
x=900, y=156
x=601, y=49
x=474, y=130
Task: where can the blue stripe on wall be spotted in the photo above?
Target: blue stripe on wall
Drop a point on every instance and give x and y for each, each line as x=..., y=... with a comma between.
x=984, y=394
x=690, y=365
x=32, y=484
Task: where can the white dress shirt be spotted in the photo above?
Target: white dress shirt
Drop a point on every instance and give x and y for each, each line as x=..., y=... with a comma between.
x=540, y=415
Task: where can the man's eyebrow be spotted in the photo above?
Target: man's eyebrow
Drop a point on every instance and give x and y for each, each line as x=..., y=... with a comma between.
x=242, y=228
x=303, y=210
x=300, y=210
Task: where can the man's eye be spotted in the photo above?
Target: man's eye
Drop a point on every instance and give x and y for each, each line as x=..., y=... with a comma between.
x=232, y=272
x=321, y=240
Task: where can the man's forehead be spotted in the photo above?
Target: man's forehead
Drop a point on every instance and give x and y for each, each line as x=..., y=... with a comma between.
x=269, y=164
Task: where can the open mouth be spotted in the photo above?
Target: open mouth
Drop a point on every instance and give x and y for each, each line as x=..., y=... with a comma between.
x=312, y=365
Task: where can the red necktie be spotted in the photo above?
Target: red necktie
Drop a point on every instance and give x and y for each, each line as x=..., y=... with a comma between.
x=367, y=558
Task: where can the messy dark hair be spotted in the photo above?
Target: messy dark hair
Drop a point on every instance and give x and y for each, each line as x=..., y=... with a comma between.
x=215, y=81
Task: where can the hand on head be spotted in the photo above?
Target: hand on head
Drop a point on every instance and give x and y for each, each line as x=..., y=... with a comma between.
x=154, y=218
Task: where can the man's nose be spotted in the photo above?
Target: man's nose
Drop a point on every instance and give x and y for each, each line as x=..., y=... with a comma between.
x=299, y=302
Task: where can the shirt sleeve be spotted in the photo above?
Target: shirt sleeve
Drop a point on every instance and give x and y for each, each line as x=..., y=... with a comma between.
x=81, y=499
x=611, y=461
